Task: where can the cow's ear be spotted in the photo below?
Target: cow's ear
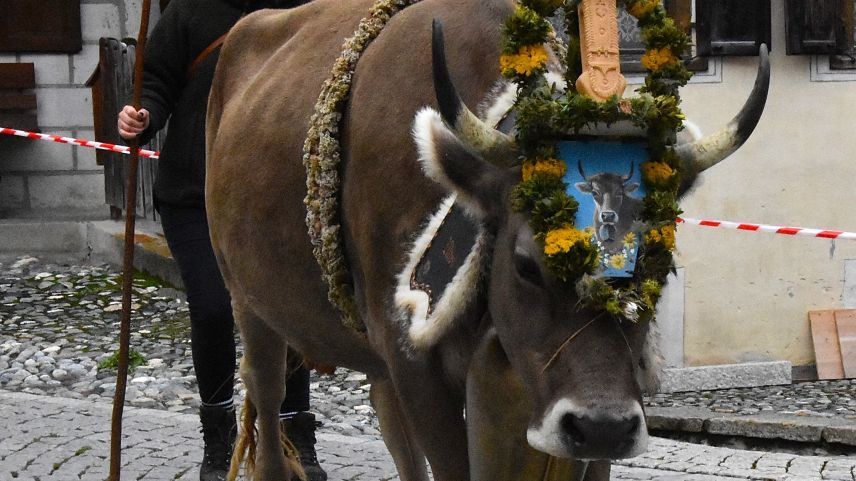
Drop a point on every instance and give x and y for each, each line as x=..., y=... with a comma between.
x=631, y=188
x=583, y=187
x=452, y=163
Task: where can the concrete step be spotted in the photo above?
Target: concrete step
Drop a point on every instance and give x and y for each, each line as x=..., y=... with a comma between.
x=91, y=241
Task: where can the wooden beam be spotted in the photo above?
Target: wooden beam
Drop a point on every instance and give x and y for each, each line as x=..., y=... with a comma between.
x=17, y=76
x=19, y=120
x=827, y=350
x=845, y=320
x=17, y=101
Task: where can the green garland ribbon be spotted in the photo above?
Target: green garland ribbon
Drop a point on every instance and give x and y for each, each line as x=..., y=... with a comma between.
x=321, y=158
x=542, y=117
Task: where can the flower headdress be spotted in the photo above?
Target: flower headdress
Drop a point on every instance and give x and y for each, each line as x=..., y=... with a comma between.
x=543, y=117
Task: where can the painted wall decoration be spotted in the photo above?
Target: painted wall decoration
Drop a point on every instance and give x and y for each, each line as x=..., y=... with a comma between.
x=605, y=178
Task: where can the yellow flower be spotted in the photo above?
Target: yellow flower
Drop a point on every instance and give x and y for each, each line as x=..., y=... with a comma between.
x=657, y=58
x=629, y=240
x=552, y=167
x=664, y=235
x=561, y=240
x=668, y=233
x=527, y=60
x=657, y=172
x=617, y=261
x=642, y=7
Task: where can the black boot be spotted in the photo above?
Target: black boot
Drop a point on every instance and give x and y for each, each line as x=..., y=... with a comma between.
x=300, y=429
x=218, y=433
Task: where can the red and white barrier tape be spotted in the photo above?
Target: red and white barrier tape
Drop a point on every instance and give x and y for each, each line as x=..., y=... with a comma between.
x=122, y=149
x=775, y=229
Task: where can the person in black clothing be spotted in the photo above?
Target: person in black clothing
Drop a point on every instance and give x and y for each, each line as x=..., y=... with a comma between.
x=179, y=68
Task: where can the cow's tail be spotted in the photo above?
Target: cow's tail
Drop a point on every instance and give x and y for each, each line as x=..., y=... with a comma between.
x=245, y=446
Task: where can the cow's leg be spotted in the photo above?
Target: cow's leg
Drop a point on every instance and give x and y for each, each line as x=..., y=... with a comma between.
x=409, y=458
x=435, y=415
x=263, y=370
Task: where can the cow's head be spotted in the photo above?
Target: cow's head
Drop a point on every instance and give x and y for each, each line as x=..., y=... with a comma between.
x=613, y=216
x=580, y=366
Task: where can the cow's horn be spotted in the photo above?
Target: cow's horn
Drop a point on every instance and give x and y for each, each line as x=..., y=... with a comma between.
x=708, y=151
x=496, y=146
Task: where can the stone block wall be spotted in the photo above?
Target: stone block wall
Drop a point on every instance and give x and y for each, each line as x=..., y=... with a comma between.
x=44, y=178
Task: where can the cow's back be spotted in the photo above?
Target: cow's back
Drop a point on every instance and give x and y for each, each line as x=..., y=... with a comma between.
x=268, y=79
x=267, y=83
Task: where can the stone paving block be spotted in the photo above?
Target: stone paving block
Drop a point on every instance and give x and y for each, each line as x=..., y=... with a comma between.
x=725, y=376
x=806, y=466
x=741, y=460
x=769, y=426
x=844, y=434
x=675, y=466
x=774, y=462
x=845, y=475
x=841, y=464
x=687, y=419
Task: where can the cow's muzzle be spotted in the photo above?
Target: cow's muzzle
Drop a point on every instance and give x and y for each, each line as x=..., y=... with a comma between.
x=608, y=217
x=606, y=233
x=570, y=431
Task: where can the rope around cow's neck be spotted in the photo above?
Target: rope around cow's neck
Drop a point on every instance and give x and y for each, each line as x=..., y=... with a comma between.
x=321, y=158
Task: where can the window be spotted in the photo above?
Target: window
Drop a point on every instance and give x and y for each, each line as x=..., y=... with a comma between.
x=823, y=27
x=732, y=27
x=630, y=39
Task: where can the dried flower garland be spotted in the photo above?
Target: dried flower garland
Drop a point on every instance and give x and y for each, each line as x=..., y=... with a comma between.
x=321, y=159
x=571, y=253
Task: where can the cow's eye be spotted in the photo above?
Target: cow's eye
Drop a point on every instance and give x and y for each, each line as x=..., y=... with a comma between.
x=527, y=268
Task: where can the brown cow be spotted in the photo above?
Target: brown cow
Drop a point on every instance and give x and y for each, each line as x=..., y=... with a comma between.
x=492, y=358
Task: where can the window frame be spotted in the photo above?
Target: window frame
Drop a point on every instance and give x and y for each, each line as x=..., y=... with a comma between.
x=708, y=13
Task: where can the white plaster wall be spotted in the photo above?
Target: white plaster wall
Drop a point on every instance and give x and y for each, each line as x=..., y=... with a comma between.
x=748, y=294
x=36, y=176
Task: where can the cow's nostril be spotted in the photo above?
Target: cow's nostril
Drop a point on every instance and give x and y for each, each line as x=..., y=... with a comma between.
x=570, y=426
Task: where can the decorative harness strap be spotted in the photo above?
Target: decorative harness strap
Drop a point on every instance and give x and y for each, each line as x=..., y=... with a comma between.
x=321, y=158
x=203, y=55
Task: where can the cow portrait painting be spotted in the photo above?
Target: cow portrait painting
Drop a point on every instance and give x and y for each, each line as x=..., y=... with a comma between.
x=494, y=392
x=604, y=177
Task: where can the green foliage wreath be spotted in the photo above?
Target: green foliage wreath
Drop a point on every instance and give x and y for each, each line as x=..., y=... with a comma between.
x=543, y=117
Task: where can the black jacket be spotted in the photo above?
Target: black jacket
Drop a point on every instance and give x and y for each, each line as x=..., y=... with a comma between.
x=185, y=29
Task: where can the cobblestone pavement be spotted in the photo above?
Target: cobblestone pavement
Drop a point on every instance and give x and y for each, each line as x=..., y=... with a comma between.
x=59, y=439
x=58, y=325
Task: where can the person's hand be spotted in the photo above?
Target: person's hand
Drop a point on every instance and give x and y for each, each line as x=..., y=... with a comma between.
x=132, y=122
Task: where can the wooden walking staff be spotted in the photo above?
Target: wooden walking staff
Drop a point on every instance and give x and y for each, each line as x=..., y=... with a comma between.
x=601, y=77
x=128, y=260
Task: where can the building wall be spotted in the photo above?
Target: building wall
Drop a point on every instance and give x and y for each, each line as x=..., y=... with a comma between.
x=42, y=177
x=744, y=296
x=747, y=295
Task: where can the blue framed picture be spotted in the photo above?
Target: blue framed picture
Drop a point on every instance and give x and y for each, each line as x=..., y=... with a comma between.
x=605, y=177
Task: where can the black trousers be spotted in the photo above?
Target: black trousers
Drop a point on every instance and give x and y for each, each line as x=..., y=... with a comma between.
x=212, y=327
